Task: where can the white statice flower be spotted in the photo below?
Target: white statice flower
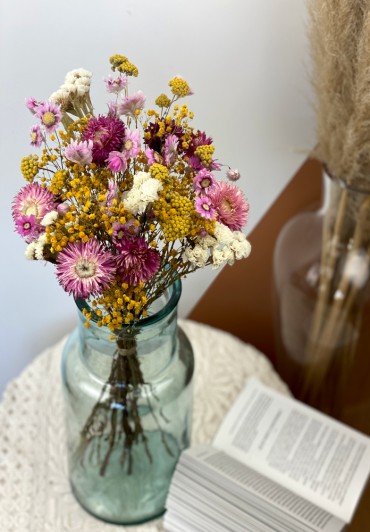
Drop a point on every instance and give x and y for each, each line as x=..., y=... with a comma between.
x=49, y=218
x=222, y=255
x=197, y=255
x=78, y=76
x=240, y=246
x=207, y=241
x=223, y=234
x=144, y=191
x=61, y=97
x=30, y=251
x=229, y=246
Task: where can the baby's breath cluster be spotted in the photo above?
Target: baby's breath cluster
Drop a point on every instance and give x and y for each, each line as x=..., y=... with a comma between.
x=125, y=203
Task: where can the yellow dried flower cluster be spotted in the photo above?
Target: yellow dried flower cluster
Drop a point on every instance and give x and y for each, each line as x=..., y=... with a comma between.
x=125, y=304
x=30, y=167
x=179, y=87
x=205, y=154
x=122, y=64
x=163, y=101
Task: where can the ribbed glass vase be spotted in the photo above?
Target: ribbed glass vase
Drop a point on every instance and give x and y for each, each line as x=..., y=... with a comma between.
x=128, y=412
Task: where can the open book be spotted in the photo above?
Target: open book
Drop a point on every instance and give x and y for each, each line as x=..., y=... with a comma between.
x=275, y=465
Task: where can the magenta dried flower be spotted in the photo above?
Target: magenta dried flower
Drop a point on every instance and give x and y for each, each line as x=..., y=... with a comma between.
x=137, y=262
x=106, y=133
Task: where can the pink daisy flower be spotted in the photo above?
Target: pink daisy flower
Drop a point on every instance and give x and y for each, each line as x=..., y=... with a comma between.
x=150, y=155
x=131, y=143
x=170, y=149
x=106, y=133
x=117, y=161
x=231, y=205
x=32, y=104
x=26, y=227
x=85, y=268
x=115, y=85
x=112, y=192
x=204, y=181
x=131, y=104
x=79, y=152
x=33, y=200
x=50, y=115
x=203, y=206
x=36, y=136
x=137, y=262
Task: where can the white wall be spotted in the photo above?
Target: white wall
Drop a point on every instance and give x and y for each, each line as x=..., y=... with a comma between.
x=247, y=63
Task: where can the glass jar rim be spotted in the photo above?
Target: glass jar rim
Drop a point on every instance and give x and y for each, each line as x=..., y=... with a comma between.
x=359, y=186
x=174, y=289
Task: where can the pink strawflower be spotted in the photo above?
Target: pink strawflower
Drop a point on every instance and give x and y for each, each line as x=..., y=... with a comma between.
x=170, y=149
x=106, y=133
x=79, y=152
x=85, y=268
x=131, y=143
x=112, y=108
x=150, y=155
x=204, y=181
x=117, y=161
x=137, y=262
x=131, y=104
x=115, y=85
x=26, y=227
x=203, y=206
x=50, y=115
x=33, y=200
x=123, y=231
x=231, y=205
x=233, y=174
x=112, y=192
x=32, y=105
x=36, y=136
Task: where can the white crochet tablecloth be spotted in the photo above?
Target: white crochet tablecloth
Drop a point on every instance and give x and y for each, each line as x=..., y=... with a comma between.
x=34, y=491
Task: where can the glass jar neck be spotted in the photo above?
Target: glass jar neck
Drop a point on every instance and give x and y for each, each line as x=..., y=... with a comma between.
x=153, y=342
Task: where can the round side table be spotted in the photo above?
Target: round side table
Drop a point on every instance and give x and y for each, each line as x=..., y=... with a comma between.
x=34, y=491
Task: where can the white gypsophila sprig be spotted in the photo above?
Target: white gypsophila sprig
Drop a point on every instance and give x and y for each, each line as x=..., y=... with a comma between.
x=198, y=255
x=144, y=191
x=30, y=251
x=49, y=218
x=39, y=246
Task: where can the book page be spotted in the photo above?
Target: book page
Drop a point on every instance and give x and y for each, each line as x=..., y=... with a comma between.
x=305, y=451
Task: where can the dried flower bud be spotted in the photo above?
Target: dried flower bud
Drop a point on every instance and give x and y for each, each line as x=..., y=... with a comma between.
x=233, y=174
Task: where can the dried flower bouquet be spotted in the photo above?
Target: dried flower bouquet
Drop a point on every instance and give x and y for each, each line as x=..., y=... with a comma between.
x=124, y=204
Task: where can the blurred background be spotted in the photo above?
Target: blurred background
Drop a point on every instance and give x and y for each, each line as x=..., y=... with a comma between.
x=248, y=65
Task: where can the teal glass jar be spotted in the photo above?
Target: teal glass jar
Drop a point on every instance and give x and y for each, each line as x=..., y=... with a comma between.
x=124, y=438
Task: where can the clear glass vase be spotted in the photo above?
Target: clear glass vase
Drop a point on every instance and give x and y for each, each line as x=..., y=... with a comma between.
x=125, y=436
x=322, y=311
